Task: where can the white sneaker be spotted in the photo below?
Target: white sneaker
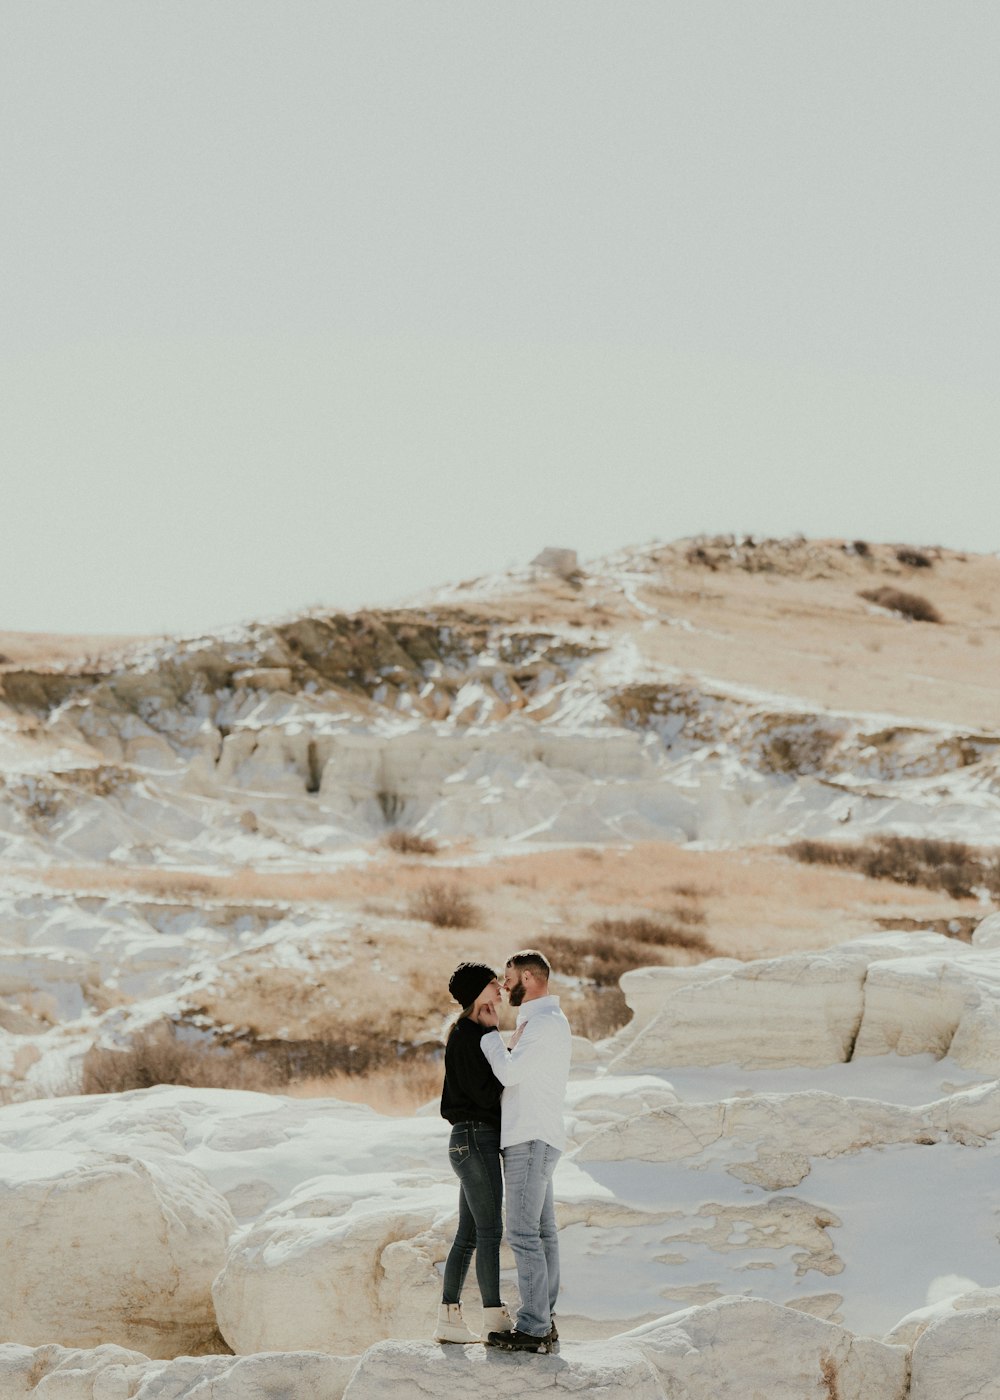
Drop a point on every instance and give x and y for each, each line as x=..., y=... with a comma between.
x=451, y=1325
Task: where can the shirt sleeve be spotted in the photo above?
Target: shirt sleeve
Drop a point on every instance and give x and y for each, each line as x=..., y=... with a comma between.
x=527, y=1057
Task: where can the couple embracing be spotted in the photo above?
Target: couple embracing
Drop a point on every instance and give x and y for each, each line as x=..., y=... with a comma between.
x=505, y=1102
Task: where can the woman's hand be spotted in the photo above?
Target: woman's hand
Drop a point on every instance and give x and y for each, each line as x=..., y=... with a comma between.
x=488, y=1016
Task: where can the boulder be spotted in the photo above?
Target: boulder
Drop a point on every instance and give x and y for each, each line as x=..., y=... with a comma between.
x=987, y=933
x=803, y=1009
x=913, y=1006
x=404, y=1369
x=331, y=1282
x=103, y=1247
x=958, y=1357
x=962, y=1296
x=563, y=562
x=26, y=1370
x=747, y=1349
x=112, y=1373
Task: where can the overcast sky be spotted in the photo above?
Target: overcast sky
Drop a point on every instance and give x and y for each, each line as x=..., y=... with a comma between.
x=309, y=302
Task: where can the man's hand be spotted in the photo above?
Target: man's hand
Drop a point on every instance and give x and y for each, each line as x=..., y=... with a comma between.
x=488, y=1016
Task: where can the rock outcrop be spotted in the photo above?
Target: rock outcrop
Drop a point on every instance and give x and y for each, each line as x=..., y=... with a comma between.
x=102, y=1247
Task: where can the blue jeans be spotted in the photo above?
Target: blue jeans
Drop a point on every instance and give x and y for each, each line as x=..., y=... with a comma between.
x=474, y=1153
x=531, y=1231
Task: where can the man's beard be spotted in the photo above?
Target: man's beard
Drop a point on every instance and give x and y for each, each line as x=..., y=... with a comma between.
x=516, y=994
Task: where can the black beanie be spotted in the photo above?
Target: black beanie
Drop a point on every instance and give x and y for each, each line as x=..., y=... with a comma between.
x=468, y=980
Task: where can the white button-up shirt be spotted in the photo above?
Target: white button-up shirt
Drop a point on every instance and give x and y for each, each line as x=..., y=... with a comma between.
x=533, y=1073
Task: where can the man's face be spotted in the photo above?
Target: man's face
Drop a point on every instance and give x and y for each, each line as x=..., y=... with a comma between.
x=513, y=984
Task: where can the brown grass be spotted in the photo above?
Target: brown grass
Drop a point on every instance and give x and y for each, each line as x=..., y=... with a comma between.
x=408, y=843
x=396, y=1090
x=910, y=605
x=442, y=904
x=758, y=903
x=954, y=867
x=157, y=1058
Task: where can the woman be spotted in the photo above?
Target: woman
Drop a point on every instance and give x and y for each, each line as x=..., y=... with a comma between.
x=470, y=1101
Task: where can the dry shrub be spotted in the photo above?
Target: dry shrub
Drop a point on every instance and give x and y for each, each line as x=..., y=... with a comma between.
x=408, y=843
x=349, y=1048
x=799, y=751
x=910, y=605
x=596, y=1012
x=914, y=558
x=656, y=932
x=442, y=904
x=156, y=1057
x=365, y=1065
x=956, y=868
x=615, y=946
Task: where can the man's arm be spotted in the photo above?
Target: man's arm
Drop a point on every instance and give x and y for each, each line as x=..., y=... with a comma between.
x=526, y=1058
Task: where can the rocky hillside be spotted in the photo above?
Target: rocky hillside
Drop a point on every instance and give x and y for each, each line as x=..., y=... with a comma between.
x=712, y=690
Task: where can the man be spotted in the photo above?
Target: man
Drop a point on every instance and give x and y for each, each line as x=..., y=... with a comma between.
x=532, y=1138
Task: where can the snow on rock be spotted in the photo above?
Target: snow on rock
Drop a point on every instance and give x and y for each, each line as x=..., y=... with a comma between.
x=414, y=1369
x=112, y=1373
x=104, y=1247
x=747, y=1349
x=958, y=1357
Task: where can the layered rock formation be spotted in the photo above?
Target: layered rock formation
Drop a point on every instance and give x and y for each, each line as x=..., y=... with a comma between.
x=779, y=1219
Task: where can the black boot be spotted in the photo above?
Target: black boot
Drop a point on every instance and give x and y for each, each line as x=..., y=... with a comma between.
x=519, y=1341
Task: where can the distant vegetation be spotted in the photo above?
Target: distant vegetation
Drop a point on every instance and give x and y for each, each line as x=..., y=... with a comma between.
x=958, y=869
x=155, y=1057
x=407, y=843
x=908, y=604
x=442, y=904
x=614, y=946
x=914, y=558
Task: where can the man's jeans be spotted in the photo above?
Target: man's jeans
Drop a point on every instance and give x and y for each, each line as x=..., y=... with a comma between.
x=531, y=1231
x=474, y=1153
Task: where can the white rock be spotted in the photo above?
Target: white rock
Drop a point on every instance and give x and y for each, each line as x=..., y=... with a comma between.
x=411, y=1369
x=768, y=1139
x=987, y=933
x=63, y=1372
x=563, y=562
x=112, y=1373
x=958, y=1358
x=798, y=1010
x=964, y=1297
x=942, y=1005
x=108, y=1248
x=331, y=1282
x=746, y=1349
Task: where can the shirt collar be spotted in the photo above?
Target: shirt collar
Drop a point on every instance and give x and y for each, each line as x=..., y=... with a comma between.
x=527, y=1009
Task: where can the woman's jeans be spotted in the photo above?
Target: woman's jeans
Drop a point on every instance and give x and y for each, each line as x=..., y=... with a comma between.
x=531, y=1231
x=474, y=1153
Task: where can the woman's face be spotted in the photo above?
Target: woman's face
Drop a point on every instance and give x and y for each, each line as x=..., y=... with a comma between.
x=489, y=996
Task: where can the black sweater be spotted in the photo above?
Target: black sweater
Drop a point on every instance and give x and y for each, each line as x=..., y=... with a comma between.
x=471, y=1090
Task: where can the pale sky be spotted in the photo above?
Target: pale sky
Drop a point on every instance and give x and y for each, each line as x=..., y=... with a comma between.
x=313, y=302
